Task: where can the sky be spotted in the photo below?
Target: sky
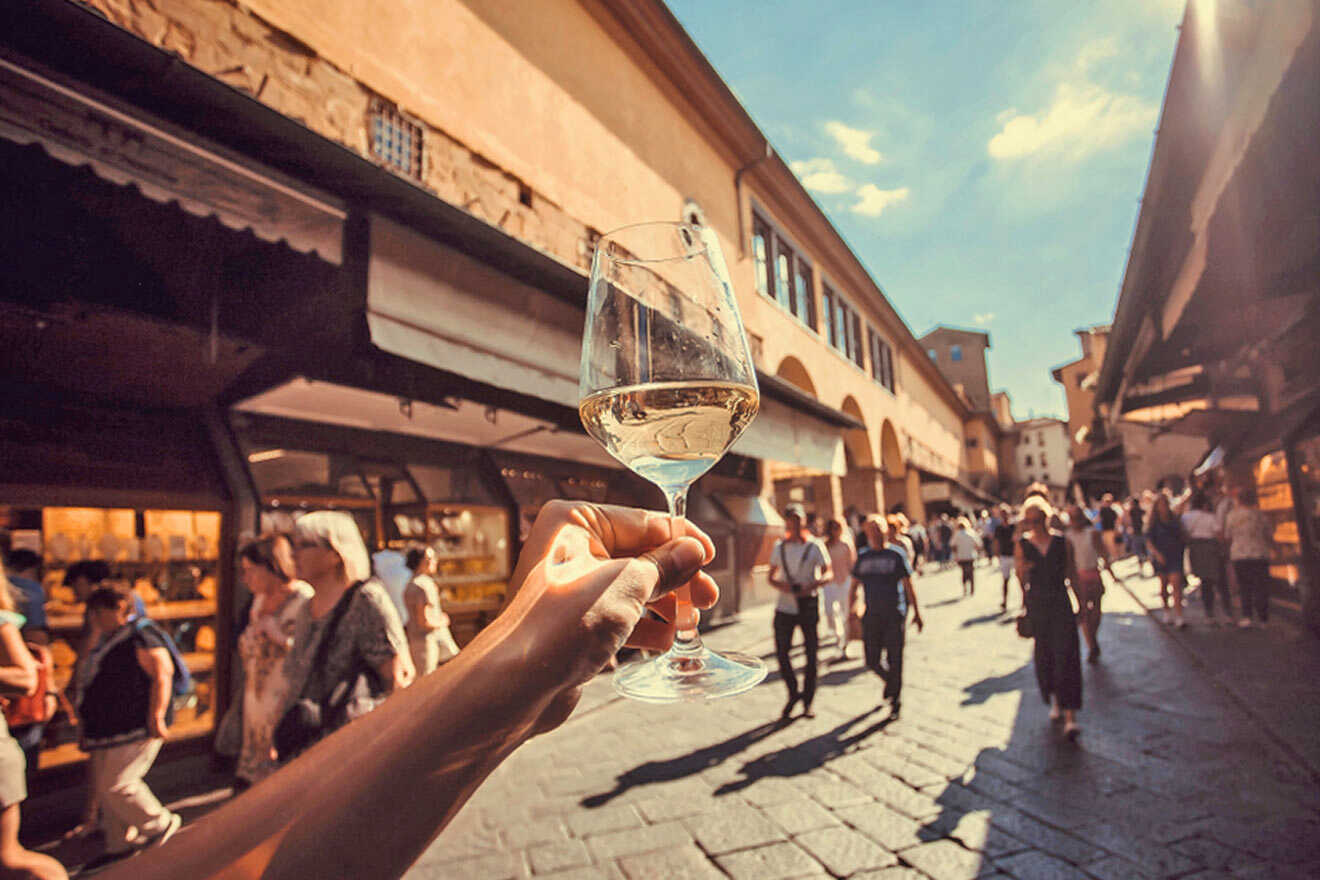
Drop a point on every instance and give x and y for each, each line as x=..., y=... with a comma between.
x=985, y=160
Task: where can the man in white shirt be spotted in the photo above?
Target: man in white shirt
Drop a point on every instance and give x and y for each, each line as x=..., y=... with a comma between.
x=799, y=567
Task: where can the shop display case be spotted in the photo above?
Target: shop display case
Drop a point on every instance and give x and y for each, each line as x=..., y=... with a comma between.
x=1276, y=502
x=168, y=558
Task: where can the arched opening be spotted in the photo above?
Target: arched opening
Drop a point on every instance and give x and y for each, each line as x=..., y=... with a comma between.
x=900, y=494
x=860, y=485
x=792, y=371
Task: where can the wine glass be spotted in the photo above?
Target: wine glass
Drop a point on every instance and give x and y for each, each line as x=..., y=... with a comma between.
x=667, y=384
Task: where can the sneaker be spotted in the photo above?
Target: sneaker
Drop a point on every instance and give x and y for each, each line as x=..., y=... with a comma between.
x=1244, y=623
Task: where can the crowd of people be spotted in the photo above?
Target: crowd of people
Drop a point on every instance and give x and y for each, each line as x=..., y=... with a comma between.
x=323, y=643
x=320, y=632
x=1058, y=557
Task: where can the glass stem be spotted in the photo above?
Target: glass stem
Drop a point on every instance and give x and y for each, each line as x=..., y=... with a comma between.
x=686, y=641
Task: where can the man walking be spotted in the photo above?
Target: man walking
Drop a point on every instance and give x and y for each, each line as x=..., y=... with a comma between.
x=1004, y=542
x=799, y=567
x=124, y=688
x=880, y=570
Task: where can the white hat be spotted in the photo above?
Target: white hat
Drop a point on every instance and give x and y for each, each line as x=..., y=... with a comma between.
x=340, y=531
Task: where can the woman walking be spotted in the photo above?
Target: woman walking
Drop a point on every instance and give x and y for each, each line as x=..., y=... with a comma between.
x=18, y=678
x=842, y=556
x=1088, y=551
x=799, y=567
x=965, y=547
x=278, y=597
x=1248, y=533
x=1167, y=545
x=1206, y=556
x=352, y=615
x=430, y=641
x=1044, y=562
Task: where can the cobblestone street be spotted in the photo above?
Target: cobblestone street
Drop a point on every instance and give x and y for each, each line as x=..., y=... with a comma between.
x=1180, y=772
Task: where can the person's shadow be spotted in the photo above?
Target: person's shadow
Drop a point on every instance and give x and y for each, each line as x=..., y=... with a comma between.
x=1020, y=679
x=684, y=765
x=806, y=755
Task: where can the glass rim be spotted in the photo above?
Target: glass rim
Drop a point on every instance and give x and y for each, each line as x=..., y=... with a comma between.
x=700, y=245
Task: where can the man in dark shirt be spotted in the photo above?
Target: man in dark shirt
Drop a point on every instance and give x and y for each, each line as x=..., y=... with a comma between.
x=1004, y=549
x=123, y=699
x=883, y=574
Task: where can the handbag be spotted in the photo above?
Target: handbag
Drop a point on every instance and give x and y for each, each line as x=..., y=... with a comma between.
x=1024, y=628
x=20, y=711
x=306, y=721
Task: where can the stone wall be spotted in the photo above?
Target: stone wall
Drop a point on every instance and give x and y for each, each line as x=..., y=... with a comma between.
x=233, y=45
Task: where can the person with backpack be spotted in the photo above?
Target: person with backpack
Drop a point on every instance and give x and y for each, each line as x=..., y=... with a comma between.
x=799, y=567
x=124, y=691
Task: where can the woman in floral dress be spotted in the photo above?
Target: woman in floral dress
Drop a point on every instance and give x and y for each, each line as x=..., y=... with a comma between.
x=268, y=571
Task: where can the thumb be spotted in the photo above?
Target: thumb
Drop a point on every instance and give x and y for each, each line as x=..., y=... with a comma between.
x=678, y=562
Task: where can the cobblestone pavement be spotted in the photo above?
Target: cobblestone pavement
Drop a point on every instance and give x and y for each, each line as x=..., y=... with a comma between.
x=1180, y=771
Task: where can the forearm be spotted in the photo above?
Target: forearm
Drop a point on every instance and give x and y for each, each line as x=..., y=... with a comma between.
x=159, y=700
x=428, y=747
x=18, y=680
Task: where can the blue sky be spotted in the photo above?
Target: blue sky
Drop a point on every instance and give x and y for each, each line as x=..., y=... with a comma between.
x=984, y=159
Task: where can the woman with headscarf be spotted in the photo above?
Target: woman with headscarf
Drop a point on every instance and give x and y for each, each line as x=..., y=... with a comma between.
x=1044, y=564
x=329, y=554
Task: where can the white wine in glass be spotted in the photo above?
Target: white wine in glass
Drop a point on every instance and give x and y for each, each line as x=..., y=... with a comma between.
x=667, y=385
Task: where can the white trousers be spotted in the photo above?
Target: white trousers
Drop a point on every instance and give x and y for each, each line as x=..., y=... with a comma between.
x=126, y=802
x=836, y=611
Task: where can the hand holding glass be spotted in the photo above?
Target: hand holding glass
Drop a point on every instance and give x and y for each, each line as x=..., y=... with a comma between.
x=667, y=385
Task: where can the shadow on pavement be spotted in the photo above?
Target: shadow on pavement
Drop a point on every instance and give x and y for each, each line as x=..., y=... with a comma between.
x=806, y=755
x=984, y=618
x=684, y=765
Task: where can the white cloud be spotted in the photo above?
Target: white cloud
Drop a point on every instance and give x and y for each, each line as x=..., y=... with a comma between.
x=982, y=319
x=820, y=175
x=1082, y=118
x=855, y=142
x=872, y=200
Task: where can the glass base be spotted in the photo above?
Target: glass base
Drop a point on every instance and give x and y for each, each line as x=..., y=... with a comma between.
x=682, y=676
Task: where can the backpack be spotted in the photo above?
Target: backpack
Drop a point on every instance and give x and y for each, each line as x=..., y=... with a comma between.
x=183, y=684
x=37, y=708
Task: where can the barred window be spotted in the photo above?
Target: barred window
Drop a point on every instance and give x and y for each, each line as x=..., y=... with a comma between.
x=396, y=141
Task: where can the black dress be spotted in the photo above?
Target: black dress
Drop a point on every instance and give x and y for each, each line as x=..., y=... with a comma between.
x=1058, y=652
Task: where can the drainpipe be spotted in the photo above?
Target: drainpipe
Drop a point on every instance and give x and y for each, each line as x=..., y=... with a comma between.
x=737, y=190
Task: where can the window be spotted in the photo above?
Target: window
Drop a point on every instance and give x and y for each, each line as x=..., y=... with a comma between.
x=934, y=355
x=782, y=274
x=1042, y=460
x=844, y=327
x=1040, y=437
x=955, y=353
x=761, y=252
x=396, y=141
x=972, y=443
x=1028, y=461
x=882, y=359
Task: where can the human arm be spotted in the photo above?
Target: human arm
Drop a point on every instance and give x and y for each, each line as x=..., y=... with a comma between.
x=367, y=800
x=18, y=669
x=912, y=603
x=823, y=566
x=159, y=667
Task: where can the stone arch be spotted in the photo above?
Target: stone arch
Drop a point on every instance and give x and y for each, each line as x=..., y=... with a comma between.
x=792, y=371
x=857, y=440
x=891, y=453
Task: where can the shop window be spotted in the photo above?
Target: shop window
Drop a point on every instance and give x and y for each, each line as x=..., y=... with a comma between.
x=955, y=353
x=396, y=140
x=168, y=558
